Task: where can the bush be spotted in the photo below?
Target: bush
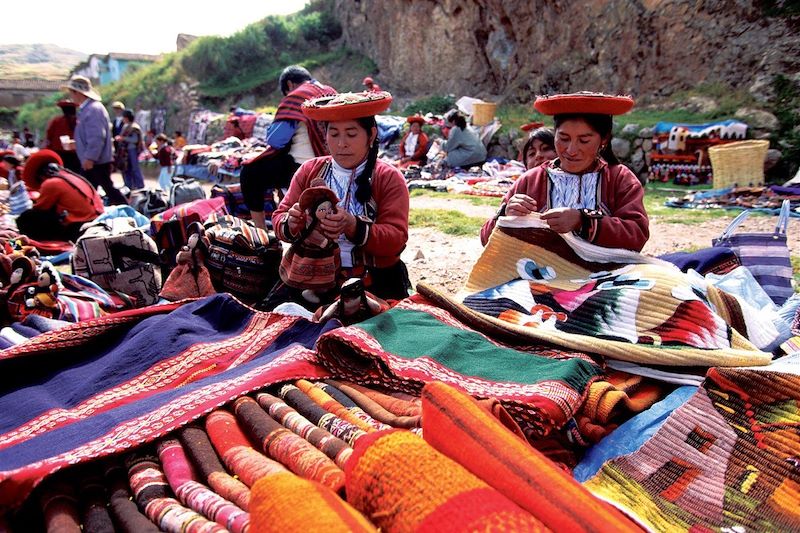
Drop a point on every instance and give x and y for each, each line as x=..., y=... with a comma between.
x=787, y=111
x=436, y=104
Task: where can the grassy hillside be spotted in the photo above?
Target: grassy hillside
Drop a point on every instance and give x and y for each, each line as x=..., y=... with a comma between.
x=42, y=61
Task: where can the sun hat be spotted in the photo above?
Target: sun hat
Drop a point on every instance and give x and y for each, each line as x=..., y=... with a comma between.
x=583, y=103
x=116, y=104
x=81, y=84
x=347, y=106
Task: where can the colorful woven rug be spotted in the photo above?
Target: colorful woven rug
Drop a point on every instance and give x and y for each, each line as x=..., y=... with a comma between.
x=728, y=459
x=415, y=343
x=114, y=388
x=616, y=303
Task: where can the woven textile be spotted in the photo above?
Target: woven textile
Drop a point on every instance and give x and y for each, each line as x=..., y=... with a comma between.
x=350, y=405
x=285, y=503
x=93, y=497
x=539, y=285
x=296, y=453
x=324, y=400
x=105, y=393
x=329, y=444
x=459, y=428
x=183, y=481
x=126, y=513
x=374, y=409
x=402, y=484
x=397, y=406
x=726, y=459
x=414, y=343
x=319, y=416
x=59, y=506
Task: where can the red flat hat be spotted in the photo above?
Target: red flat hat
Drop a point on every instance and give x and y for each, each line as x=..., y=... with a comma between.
x=35, y=163
x=367, y=80
x=583, y=102
x=530, y=126
x=347, y=106
x=416, y=118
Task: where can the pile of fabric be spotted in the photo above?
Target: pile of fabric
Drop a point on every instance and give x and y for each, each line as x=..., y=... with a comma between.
x=763, y=199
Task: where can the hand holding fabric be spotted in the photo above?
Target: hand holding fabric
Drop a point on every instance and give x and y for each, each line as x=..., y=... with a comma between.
x=337, y=223
x=520, y=205
x=563, y=219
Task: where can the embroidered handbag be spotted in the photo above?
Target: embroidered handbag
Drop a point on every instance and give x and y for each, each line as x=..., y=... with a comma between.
x=168, y=229
x=766, y=255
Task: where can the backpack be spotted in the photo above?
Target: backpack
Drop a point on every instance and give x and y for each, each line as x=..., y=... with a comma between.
x=185, y=190
x=118, y=256
x=149, y=202
x=242, y=259
x=234, y=200
x=168, y=228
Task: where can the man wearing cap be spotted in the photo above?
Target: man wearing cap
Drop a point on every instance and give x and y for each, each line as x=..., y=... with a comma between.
x=116, y=126
x=93, y=137
x=63, y=126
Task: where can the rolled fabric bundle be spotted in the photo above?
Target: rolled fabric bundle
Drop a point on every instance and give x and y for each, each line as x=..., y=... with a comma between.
x=461, y=429
x=394, y=405
x=376, y=410
x=127, y=516
x=199, y=448
x=151, y=491
x=286, y=503
x=92, y=495
x=350, y=405
x=402, y=484
x=237, y=454
x=329, y=444
x=294, y=452
x=183, y=481
x=319, y=416
x=324, y=400
x=59, y=506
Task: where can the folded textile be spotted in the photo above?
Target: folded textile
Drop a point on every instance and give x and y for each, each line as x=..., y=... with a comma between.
x=59, y=506
x=726, y=459
x=376, y=410
x=126, y=513
x=319, y=416
x=393, y=404
x=401, y=483
x=113, y=380
x=291, y=450
x=324, y=400
x=350, y=405
x=458, y=427
x=329, y=444
x=285, y=503
x=558, y=289
x=95, y=515
x=542, y=393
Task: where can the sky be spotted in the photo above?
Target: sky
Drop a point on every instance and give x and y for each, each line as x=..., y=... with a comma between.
x=148, y=27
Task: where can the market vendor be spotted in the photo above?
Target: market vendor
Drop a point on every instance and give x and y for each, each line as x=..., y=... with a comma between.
x=585, y=190
x=66, y=200
x=293, y=139
x=463, y=147
x=414, y=144
x=371, y=220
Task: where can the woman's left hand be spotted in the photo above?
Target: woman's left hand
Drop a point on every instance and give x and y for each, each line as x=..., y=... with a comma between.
x=563, y=219
x=338, y=223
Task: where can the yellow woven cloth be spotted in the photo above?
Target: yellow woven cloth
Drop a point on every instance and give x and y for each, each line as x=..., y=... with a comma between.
x=615, y=303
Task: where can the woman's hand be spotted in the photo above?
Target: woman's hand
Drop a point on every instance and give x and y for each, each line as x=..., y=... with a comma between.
x=296, y=220
x=563, y=219
x=520, y=205
x=335, y=224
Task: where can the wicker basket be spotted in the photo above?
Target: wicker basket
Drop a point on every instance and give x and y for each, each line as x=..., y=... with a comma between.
x=483, y=113
x=738, y=163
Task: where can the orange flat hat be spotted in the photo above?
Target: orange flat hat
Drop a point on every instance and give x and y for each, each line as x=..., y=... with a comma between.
x=583, y=102
x=35, y=162
x=416, y=118
x=530, y=126
x=347, y=106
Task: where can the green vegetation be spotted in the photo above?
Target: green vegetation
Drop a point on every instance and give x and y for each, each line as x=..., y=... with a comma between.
x=37, y=114
x=786, y=108
x=436, y=104
x=450, y=222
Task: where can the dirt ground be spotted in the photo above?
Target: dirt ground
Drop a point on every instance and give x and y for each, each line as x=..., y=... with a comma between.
x=445, y=260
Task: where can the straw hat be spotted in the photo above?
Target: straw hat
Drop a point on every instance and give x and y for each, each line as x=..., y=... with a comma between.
x=584, y=103
x=116, y=104
x=81, y=84
x=347, y=106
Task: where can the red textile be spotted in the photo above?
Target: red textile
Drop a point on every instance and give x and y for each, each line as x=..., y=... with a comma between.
x=71, y=194
x=625, y=224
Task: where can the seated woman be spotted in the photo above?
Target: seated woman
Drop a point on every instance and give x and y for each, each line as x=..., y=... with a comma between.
x=370, y=223
x=539, y=147
x=463, y=147
x=586, y=190
x=66, y=201
x=414, y=144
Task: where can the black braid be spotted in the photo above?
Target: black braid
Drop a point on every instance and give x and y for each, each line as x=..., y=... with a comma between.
x=363, y=182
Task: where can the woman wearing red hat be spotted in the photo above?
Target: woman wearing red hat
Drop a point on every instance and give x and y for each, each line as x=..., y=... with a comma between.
x=585, y=190
x=414, y=144
x=63, y=126
x=370, y=223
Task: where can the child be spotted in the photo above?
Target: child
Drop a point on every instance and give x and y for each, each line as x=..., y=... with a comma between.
x=164, y=154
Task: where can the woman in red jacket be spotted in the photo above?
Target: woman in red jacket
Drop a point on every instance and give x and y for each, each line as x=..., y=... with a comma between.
x=414, y=144
x=585, y=190
x=371, y=220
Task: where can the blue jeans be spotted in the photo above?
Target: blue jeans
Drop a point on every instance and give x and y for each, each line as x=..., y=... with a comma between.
x=133, y=174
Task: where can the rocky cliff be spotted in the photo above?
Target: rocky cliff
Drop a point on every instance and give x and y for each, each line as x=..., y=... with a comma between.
x=517, y=48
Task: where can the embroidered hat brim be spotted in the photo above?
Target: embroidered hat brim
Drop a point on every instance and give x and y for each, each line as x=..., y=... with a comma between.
x=347, y=106
x=584, y=103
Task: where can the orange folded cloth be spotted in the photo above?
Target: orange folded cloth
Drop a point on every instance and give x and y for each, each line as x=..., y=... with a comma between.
x=402, y=484
x=454, y=424
x=286, y=503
